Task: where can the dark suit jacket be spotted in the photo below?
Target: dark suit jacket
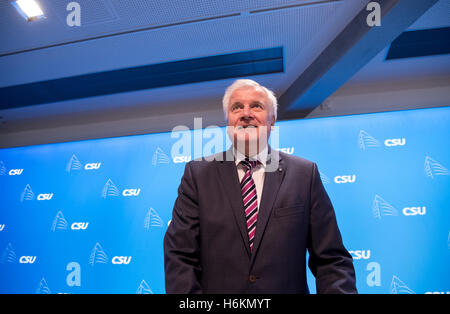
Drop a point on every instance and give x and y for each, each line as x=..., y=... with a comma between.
x=206, y=247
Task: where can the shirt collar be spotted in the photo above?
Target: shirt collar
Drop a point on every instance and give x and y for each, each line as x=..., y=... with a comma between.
x=261, y=156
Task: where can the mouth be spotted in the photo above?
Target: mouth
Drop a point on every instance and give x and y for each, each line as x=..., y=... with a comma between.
x=240, y=127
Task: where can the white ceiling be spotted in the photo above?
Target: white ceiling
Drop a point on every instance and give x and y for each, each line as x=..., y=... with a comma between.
x=116, y=34
x=399, y=84
x=379, y=70
x=295, y=25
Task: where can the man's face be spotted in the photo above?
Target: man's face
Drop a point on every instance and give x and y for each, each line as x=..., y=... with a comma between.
x=250, y=118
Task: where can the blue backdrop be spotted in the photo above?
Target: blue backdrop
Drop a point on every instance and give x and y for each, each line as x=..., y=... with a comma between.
x=90, y=216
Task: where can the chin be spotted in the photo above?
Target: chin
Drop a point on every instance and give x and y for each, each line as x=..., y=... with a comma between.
x=246, y=136
x=247, y=143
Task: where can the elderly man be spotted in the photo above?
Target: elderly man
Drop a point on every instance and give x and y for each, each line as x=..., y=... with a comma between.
x=243, y=221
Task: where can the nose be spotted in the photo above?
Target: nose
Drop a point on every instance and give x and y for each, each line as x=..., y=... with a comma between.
x=246, y=112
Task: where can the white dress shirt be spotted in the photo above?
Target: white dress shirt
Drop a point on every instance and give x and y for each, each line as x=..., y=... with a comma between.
x=258, y=172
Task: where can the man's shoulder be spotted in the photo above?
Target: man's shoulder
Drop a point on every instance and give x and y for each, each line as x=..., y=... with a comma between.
x=298, y=167
x=211, y=161
x=296, y=160
x=207, y=162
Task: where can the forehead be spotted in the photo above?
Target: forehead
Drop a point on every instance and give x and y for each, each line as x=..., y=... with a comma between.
x=249, y=94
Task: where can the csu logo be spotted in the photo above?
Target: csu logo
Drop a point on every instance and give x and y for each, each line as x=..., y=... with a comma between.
x=181, y=159
x=110, y=189
x=345, y=179
x=27, y=259
x=395, y=142
x=131, y=192
x=92, y=166
x=360, y=254
x=119, y=260
x=79, y=226
x=287, y=150
x=74, y=164
x=413, y=211
x=45, y=197
x=15, y=172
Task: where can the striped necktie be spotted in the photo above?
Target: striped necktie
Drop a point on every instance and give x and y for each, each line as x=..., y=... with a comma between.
x=248, y=189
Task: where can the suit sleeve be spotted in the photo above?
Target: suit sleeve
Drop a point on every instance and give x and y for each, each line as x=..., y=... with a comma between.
x=329, y=261
x=181, y=242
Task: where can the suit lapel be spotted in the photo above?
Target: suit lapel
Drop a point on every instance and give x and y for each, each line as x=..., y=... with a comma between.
x=272, y=183
x=229, y=179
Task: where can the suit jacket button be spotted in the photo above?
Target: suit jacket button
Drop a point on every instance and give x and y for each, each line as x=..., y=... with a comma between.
x=252, y=278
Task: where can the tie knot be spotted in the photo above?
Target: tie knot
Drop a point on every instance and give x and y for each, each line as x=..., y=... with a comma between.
x=249, y=164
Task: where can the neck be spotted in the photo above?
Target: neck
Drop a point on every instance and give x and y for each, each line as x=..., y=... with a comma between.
x=250, y=150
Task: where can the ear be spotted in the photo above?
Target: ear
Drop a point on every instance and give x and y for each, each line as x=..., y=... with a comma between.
x=273, y=120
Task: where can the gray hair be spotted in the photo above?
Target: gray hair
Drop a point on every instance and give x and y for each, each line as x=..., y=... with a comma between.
x=248, y=83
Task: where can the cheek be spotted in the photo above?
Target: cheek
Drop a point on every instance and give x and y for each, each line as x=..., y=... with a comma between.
x=231, y=119
x=264, y=119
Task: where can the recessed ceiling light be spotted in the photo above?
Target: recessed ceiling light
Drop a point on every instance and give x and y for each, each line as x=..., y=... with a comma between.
x=29, y=9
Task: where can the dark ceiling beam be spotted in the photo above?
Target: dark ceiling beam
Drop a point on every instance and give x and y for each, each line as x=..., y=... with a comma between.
x=354, y=47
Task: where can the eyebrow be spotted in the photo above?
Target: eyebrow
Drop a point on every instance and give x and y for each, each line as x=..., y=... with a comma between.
x=256, y=102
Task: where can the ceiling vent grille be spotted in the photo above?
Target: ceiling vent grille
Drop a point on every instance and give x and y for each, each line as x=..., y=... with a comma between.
x=420, y=43
x=248, y=63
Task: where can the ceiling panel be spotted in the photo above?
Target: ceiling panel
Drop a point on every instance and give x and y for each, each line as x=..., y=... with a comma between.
x=414, y=68
x=101, y=18
x=239, y=64
x=293, y=28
